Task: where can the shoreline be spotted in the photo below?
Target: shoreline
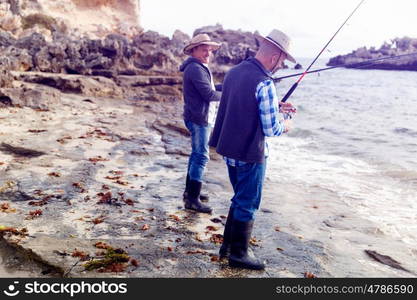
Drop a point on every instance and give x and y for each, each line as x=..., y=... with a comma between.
x=111, y=146
x=137, y=151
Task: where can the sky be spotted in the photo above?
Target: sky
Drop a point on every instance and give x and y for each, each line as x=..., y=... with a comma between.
x=309, y=23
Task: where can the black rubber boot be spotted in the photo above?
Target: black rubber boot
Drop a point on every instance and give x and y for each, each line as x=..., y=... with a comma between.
x=240, y=257
x=187, y=187
x=203, y=197
x=224, y=251
x=193, y=201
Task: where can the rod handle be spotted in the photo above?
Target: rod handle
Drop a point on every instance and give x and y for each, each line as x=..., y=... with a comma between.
x=292, y=89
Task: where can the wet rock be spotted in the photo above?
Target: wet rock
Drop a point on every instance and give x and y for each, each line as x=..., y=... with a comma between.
x=166, y=126
x=16, y=263
x=73, y=219
x=30, y=95
x=141, y=80
x=154, y=93
x=398, y=46
x=15, y=196
x=386, y=260
x=104, y=73
x=172, y=146
x=172, y=135
x=20, y=151
x=88, y=86
x=167, y=164
x=139, y=152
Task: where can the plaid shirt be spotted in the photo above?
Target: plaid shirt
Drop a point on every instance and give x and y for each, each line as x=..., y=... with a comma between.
x=266, y=94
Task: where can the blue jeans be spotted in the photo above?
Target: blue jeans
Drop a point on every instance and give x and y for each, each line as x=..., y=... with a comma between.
x=247, y=182
x=199, y=156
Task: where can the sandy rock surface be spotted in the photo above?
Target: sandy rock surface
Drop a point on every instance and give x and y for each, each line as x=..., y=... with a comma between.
x=83, y=170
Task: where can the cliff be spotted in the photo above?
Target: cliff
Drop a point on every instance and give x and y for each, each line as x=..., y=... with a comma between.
x=95, y=18
x=398, y=46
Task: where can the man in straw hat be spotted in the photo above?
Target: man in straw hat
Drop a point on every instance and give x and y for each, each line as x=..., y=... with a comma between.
x=249, y=112
x=199, y=115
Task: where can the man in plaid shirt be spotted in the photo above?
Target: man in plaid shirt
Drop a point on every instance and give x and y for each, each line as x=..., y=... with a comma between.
x=266, y=94
x=249, y=111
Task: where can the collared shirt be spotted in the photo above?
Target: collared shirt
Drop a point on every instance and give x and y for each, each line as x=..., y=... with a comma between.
x=267, y=97
x=213, y=106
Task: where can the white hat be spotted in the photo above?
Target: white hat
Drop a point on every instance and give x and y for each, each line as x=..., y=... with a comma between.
x=200, y=39
x=280, y=40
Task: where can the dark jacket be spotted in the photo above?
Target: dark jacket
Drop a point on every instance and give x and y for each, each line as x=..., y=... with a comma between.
x=238, y=130
x=198, y=92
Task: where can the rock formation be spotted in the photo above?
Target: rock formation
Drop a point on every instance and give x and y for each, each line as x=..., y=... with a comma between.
x=398, y=46
x=55, y=49
x=95, y=18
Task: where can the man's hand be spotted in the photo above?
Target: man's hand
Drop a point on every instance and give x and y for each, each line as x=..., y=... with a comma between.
x=287, y=108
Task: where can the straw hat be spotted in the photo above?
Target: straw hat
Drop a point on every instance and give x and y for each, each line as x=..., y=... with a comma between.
x=200, y=39
x=280, y=40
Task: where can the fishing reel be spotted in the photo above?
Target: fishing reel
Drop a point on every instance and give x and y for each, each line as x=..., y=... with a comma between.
x=287, y=110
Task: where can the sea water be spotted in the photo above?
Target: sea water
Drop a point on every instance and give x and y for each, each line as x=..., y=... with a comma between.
x=355, y=134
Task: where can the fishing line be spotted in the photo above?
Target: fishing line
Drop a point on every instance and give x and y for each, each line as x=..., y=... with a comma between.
x=357, y=65
x=292, y=89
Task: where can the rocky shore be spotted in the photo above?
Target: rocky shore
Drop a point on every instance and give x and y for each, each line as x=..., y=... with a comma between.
x=398, y=46
x=92, y=186
x=93, y=153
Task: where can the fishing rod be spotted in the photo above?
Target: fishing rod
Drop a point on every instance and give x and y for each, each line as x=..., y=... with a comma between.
x=357, y=65
x=292, y=89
